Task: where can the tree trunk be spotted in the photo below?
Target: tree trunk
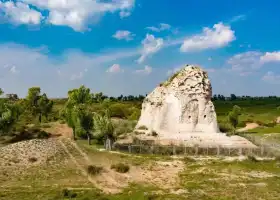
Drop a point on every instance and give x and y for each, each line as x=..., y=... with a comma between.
x=89, y=139
x=74, y=134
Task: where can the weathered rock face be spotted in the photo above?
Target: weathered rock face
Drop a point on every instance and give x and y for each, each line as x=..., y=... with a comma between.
x=181, y=105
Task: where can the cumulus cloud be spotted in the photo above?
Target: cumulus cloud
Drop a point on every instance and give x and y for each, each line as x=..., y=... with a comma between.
x=271, y=57
x=161, y=27
x=147, y=70
x=271, y=77
x=20, y=13
x=245, y=61
x=115, y=68
x=124, y=14
x=77, y=76
x=219, y=36
x=14, y=70
x=76, y=14
x=151, y=45
x=38, y=67
x=124, y=35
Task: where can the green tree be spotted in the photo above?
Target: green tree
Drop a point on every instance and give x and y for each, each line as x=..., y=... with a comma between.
x=104, y=128
x=83, y=121
x=77, y=111
x=32, y=100
x=8, y=115
x=233, y=116
x=44, y=106
x=1, y=92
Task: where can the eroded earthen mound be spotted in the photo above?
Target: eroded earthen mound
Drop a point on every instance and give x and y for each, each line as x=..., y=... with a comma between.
x=182, y=104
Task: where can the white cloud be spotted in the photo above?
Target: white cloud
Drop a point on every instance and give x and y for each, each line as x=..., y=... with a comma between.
x=123, y=35
x=124, y=14
x=271, y=57
x=20, y=13
x=78, y=76
x=220, y=36
x=161, y=27
x=209, y=59
x=271, y=77
x=151, y=45
x=147, y=70
x=173, y=71
x=245, y=63
x=14, y=70
x=115, y=68
x=76, y=14
x=238, y=18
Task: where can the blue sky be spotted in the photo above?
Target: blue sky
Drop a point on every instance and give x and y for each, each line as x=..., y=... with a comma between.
x=130, y=46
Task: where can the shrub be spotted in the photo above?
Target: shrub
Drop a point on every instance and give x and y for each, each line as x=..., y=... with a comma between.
x=43, y=135
x=45, y=126
x=259, y=123
x=69, y=194
x=62, y=121
x=241, y=124
x=135, y=115
x=154, y=133
x=139, y=133
x=94, y=170
x=188, y=159
x=120, y=167
x=123, y=126
x=142, y=127
x=32, y=159
x=118, y=110
x=270, y=124
x=249, y=121
x=252, y=158
x=225, y=127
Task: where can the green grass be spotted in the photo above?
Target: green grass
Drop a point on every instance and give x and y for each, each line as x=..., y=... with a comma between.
x=264, y=130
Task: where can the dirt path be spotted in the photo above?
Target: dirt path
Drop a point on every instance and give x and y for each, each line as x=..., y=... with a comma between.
x=105, y=181
x=248, y=126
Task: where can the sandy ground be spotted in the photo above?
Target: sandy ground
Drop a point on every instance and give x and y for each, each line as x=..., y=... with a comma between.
x=248, y=126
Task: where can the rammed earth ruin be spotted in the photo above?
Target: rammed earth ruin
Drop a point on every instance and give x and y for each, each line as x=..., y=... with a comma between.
x=180, y=111
x=181, y=105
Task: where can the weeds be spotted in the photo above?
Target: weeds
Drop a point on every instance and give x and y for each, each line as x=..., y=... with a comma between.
x=94, y=170
x=120, y=167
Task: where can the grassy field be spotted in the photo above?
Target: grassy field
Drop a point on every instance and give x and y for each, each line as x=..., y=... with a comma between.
x=149, y=178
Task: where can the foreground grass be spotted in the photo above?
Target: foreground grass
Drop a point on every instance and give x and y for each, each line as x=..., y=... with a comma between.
x=201, y=179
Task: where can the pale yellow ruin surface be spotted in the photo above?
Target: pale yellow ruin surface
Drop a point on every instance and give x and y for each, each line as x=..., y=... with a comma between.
x=180, y=109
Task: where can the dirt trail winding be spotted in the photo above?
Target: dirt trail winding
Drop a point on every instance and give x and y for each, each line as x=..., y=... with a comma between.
x=248, y=127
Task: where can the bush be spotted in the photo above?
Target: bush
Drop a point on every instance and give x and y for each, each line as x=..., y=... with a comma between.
x=120, y=167
x=123, y=126
x=119, y=111
x=225, y=127
x=142, y=128
x=188, y=159
x=43, y=135
x=241, y=124
x=32, y=159
x=270, y=124
x=69, y=194
x=252, y=158
x=94, y=170
x=45, y=126
x=135, y=115
x=154, y=133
